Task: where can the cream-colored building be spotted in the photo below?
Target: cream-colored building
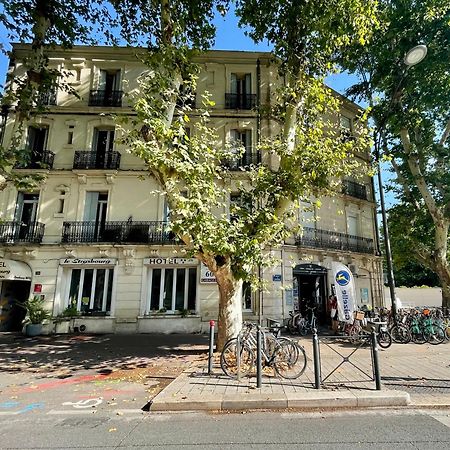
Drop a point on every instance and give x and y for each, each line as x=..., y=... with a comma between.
x=94, y=233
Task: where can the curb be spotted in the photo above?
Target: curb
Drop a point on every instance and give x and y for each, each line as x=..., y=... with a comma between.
x=313, y=400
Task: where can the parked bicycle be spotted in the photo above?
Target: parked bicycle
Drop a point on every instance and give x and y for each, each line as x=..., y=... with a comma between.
x=357, y=329
x=307, y=325
x=285, y=356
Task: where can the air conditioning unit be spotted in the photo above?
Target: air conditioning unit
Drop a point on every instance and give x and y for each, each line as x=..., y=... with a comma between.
x=353, y=269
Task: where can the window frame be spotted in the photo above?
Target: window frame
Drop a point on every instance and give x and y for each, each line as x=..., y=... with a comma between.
x=161, y=308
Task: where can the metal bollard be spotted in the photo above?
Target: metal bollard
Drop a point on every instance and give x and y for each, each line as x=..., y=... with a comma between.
x=258, y=357
x=212, y=324
x=316, y=354
x=376, y=364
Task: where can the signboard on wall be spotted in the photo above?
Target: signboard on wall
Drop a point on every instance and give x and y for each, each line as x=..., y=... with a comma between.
x=160, y=261
x=88, y=261
x=14, y=270
x=206, y=276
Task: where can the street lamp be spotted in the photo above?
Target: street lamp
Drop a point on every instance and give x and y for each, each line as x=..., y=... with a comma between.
x=414, y=56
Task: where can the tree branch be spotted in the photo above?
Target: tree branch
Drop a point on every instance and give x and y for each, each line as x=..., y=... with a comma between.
x=445, y=134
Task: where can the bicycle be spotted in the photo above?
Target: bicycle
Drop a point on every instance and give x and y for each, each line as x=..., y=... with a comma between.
x=304, y=325
x=286, y=357
x=292, y=323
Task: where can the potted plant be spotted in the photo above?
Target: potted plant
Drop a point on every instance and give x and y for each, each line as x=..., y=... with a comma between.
x=35, y=316
x=65, y=321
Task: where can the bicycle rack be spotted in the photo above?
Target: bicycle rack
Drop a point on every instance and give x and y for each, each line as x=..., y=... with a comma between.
x=364, y=341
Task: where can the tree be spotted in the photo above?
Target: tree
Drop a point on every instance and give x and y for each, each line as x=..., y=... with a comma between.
x=189, y=169
x=411, y=111
x=407, y=271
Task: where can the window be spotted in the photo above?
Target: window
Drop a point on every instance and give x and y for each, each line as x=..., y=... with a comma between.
x=109, y=80
x=307, y=215
x=108, y=91
x=240, y=96
x=352, y=224
x=239, y=139
x=246, y=296
x=37, y=139
x=95, y=210
x=26, y=208
x=241, y=202
x=91, y=290
x=172, y=289
x=241, y=83
x=346, y=128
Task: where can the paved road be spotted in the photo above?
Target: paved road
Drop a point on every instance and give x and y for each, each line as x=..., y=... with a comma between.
x=393, y=429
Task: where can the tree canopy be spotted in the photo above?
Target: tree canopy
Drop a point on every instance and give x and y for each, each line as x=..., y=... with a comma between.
x=411, y=110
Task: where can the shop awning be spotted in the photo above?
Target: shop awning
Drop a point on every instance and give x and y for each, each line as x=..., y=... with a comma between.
x=14, y=270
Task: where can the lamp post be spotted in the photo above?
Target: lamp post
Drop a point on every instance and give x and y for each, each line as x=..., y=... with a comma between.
x=414, y=56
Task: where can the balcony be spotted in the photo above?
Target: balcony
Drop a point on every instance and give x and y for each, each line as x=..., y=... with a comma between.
x=240, y=101
x=247, y=159
x=333, y=240
x=124, y=232
x=47, y=98
x=93, y=160
x=105, y=98
x=354, y=189
x=39, y=160
x=17, y=232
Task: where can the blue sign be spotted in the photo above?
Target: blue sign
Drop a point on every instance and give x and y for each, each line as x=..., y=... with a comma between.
x=276, y=277
x=343, y=278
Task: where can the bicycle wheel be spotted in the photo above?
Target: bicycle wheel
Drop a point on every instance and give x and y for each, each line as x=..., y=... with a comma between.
x=384, y=339
x=435, y=335
x=400, y=334
x=302, y=327
x=418, y=337
x=290, y=360
x=228, y=359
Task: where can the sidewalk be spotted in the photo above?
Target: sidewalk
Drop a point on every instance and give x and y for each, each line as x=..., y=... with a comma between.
x=116, y=374
x=411, y=375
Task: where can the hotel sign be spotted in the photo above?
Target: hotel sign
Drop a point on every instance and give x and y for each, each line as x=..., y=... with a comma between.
x=159, y=261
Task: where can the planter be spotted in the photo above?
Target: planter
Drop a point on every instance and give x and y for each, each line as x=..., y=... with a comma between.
x=33, y=329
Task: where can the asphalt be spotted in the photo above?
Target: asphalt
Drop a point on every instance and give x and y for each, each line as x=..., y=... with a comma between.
x=120, y=374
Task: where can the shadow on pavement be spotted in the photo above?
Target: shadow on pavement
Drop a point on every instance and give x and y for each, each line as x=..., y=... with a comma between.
x=63, y=355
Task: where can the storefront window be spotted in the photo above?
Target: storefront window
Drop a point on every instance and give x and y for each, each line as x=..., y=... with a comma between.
x=172, y=289
x=91, y=290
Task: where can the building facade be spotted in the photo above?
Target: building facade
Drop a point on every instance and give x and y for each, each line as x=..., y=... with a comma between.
x=94, y=234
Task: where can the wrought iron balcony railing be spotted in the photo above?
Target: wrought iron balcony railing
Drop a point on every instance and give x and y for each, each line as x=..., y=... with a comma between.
x=94, y=160
x=47, y=98
x=317, y=238
x=354, y=189
x=16, y=232
x=38, y=160
x=244, y=161
x=124, y=232
x=240, y=101
x=105, y=98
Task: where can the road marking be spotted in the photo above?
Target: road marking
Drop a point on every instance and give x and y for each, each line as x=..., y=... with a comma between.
x=85, y=411
x=444, y=418
x=88, y=403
